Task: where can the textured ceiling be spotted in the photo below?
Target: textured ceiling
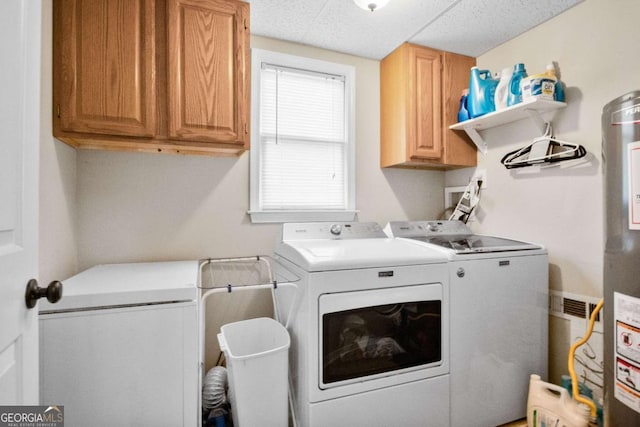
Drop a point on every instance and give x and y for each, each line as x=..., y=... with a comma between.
x=469, y=27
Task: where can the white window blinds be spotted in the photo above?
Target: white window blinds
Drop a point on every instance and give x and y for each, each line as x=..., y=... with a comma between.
x=303, y=140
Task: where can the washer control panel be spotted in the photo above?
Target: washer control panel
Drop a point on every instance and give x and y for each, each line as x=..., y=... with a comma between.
x=426, y=228
x=331, y=230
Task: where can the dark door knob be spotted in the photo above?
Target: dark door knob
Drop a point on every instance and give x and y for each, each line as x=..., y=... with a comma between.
x=53, y=292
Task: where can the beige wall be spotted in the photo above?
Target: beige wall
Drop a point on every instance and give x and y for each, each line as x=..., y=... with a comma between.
x=58, y=257
x=595, y=45
x=140, y=207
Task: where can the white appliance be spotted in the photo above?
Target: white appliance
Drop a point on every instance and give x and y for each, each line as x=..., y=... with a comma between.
x=499, y=318
x=369, y=328
x=121, y=346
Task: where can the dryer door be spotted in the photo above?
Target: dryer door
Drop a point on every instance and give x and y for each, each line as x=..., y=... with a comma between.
x=366, y=335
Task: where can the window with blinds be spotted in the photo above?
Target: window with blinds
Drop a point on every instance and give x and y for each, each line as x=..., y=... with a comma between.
x=302, y=163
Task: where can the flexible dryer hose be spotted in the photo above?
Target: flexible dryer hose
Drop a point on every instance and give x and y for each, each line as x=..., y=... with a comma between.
x=572, y=352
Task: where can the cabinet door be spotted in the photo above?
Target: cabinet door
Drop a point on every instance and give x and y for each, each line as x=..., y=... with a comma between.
x=425, y=127
x=104, y=67
x=458, y=149
x=208, y=80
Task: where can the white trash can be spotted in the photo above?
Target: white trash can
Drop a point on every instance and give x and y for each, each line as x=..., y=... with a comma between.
x=257, y=354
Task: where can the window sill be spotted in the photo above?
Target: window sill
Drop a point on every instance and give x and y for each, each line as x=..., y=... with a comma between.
x=300, y=216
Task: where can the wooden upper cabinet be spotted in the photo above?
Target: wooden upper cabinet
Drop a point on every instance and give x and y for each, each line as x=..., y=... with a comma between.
x=105, y=71
x=420, y=90
x=423, y=125
x=208, y=70
x=459, y=151
x=149, y=75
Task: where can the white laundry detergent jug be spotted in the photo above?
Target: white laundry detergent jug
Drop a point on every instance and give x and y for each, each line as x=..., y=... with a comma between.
x=550, y=405
x=502, y=90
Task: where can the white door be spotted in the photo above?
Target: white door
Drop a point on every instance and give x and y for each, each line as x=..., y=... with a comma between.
x=20, y=31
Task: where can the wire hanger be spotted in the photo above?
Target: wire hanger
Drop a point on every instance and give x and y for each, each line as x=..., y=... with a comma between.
x=544, y=149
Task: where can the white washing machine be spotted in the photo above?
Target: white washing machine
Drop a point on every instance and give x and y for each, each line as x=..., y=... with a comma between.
x=121, y=346
x=499, y=318
x=369, y=327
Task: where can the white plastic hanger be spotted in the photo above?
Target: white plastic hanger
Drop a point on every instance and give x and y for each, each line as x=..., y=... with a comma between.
x=544, y=149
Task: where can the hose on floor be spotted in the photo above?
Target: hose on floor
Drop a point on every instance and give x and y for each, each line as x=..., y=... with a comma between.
x=214, y=388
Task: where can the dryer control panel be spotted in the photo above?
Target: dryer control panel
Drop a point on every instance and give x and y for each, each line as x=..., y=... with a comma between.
x=331, y=230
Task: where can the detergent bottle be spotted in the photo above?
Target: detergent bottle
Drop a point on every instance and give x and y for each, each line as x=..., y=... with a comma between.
x=550, y=405
x=502, y=90
x=515, y=94
x=482, y=89
x=463, y=112
x=558, y=92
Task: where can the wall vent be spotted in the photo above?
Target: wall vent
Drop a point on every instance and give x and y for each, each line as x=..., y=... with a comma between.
x=592, y=307
x=576, y=310
x=574, y=307
x=571, y=306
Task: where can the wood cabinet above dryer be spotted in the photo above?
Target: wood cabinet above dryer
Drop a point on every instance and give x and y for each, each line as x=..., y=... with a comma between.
x=420, y=91
x=145, y=75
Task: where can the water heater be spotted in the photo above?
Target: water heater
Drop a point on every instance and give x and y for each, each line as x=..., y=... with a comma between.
x=621, y=168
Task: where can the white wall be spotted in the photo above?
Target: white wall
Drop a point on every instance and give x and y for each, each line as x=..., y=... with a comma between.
x=58, y=257
x=596, y=47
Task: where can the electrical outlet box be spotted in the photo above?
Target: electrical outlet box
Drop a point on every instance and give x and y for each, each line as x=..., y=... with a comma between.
x=480, y=174
x=452, y=196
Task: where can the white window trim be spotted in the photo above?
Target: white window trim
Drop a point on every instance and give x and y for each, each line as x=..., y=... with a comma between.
x=259, y=56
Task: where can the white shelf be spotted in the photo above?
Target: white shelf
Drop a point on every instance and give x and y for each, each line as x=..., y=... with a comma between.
x=533, y=109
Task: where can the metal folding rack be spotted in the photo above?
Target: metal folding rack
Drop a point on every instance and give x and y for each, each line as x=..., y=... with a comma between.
x=227, y=275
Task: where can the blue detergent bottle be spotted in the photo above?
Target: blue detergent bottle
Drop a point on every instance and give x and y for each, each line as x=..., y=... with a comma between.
x=463, y=112
x=482, y=88
x=515, y=93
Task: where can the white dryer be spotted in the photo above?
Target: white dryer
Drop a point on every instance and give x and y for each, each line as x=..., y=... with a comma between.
x=499, y=318
x=369, y=329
